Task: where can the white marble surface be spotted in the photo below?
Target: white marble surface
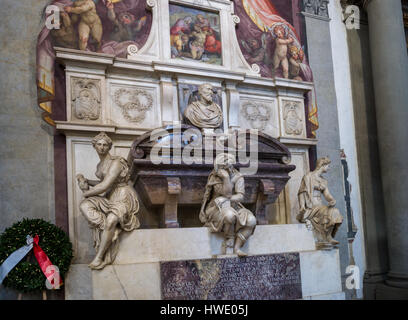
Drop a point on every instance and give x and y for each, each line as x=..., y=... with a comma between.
x=127, y=282
x=331, y=296
x=78, y=283
x=154, y=245
x=136, y=271
x=320, y=272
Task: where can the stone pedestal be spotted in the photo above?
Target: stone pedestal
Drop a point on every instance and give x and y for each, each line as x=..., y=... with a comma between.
x=138, y=269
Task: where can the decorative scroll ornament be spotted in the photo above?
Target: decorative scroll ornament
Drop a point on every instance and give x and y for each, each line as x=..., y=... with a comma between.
x=255, y=68
x=134, y=103
x=132, y=49
x=293, y=122
x=257, y=114
x=316, y=7
x=236, y=19
x=86, y=99
x=150, y=3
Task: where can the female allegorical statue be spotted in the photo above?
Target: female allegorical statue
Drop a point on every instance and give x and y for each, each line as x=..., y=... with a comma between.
x=221, y=209
x=111, y=205
x=325, y=220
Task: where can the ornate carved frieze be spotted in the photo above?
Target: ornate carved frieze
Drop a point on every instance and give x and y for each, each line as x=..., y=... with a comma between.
x=292, y=118
x=134, y=103
x=86, y=98
x=316, y=7
x=257, y=114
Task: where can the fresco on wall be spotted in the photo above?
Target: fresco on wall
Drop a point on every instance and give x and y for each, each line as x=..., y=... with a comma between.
x=107, y=26
x=194, y=35
x=267, y=37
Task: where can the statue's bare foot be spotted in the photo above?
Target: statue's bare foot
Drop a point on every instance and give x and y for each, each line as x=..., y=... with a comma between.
x=240, y=253
x=96, y=264
x=334, y=242
x=229, y=243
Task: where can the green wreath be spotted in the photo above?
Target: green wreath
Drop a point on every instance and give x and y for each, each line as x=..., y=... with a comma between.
x=27, y=275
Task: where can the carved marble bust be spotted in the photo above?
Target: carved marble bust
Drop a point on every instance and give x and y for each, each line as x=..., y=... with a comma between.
x=204, y=113
x=324, y=220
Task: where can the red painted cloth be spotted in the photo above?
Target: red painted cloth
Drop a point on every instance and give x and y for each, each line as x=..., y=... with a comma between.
x=212, y=45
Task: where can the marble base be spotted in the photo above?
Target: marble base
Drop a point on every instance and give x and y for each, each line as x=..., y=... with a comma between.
x=331, y=296
x=153, y=245
x=136, y=271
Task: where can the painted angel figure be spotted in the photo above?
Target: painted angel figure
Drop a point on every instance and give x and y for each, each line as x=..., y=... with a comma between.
x=126, y=26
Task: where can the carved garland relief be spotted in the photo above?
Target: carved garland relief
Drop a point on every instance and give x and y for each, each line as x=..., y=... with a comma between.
x=257, y=114
x=134, y=103
x=86, y=98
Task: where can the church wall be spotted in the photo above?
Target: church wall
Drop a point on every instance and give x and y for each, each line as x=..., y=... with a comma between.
x=26, y=161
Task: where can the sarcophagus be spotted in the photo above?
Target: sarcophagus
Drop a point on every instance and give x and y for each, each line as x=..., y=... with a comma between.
x=170, y=167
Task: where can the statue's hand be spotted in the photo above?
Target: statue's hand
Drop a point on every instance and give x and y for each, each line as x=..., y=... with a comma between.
x=236, y=198
x=332, y=203
x=82, y=182
x=202, y=216
x=85, y=194
x=223, y=173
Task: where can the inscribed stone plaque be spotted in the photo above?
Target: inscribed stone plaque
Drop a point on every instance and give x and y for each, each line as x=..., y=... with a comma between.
x=268, y=277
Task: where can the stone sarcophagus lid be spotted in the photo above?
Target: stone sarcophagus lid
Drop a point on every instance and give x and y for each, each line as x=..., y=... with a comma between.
x=170, y=168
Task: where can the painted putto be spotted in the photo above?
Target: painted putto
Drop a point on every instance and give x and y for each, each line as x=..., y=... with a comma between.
x=106, y=26
x=267, y=37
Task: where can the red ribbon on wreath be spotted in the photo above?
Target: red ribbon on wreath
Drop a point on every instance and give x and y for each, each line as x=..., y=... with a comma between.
x=49, y=270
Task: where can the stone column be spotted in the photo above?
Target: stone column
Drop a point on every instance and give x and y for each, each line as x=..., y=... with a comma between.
x=390, y=78
x=365, y=123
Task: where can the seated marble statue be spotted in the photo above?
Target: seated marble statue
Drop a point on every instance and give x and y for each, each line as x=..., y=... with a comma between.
x=221, y=209
x=204, y=113
x=323, y=219
x=111, y=205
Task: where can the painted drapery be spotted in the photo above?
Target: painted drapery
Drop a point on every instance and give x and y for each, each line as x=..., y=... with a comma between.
x=124, y=22
x=256, y=37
